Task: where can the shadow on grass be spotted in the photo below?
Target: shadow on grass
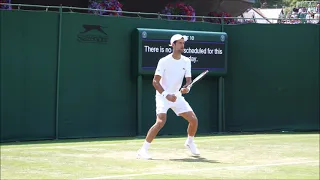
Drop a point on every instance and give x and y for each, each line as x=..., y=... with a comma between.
x=190, y=159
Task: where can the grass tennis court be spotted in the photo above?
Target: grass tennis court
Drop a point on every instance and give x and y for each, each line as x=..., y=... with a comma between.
x=251, y=156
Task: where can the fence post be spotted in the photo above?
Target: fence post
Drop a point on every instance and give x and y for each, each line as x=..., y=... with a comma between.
x=223, y=128
x=58, y=74
x=139, y=105
x=221, y=111
x=220, y=103
x=1, y=54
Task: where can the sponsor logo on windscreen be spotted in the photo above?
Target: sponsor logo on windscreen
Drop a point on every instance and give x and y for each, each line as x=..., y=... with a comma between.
x=93, y=34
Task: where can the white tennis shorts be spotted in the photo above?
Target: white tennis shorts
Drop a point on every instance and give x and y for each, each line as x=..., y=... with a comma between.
x=178, y=107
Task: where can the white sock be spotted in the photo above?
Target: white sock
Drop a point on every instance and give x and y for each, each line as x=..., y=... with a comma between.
x=146, y=145
x=190, y=138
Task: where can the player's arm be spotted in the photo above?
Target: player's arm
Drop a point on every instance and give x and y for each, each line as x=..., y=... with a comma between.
x=188, y=81
x=156, y=83
x=157, y=77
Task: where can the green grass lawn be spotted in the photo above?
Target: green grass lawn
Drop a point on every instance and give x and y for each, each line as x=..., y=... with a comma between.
x=261, y=156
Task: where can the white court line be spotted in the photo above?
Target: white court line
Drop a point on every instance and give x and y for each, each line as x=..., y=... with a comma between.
x=204, y=169
x=133, y=142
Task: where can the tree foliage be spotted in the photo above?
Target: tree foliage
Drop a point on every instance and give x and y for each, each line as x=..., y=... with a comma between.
x=283, y=3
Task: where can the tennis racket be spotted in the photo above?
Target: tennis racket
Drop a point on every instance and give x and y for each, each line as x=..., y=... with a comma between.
x=200, y=76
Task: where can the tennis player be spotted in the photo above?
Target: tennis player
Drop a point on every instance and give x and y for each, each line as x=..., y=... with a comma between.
x=167, y=81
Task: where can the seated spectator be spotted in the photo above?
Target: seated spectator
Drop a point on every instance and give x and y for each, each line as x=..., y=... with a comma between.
x=316, y=19
x=309, y=17
x=317, y=16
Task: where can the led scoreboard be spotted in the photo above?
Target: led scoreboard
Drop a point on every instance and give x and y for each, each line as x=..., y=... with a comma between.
x=206, y=50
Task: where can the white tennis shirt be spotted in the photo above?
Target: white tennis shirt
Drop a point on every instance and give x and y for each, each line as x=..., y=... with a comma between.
x=172, y=72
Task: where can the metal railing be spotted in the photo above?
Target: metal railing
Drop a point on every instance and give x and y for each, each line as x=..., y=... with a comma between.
x=222, y=20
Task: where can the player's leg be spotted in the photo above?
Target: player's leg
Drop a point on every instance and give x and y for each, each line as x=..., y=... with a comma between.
x=193, y=123
x=192, y=129
x=161, y=109
x=183, y=109
x=158, y=125
x=152, y=133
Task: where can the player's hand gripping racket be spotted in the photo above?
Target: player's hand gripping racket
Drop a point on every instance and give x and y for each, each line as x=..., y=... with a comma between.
x=200, y=76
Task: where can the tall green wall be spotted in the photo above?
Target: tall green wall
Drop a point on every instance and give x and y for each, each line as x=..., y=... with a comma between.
x=28, y=74
x=273, y=80
x=55, y=86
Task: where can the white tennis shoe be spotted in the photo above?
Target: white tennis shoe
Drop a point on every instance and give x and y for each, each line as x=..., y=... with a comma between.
x=192, y=147
x=143, y=154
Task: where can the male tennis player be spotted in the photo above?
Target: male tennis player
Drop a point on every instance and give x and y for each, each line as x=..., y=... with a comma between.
x=167, y=81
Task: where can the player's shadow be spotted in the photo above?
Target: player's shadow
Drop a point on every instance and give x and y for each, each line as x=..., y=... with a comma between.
x=192, y=159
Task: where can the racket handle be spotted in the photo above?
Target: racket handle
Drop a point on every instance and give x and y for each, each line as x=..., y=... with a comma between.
x=178, y=94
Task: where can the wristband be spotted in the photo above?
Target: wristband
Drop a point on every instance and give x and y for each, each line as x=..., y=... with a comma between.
x=164, y=94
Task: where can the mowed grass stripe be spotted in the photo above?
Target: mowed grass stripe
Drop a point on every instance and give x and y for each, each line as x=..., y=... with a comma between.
x=188, y=171
x=84, y=159
x=134, y=141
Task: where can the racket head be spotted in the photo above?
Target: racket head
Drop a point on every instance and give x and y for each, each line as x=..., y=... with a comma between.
x=200, y=76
